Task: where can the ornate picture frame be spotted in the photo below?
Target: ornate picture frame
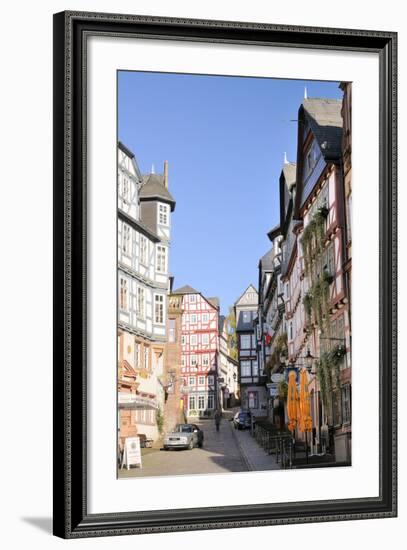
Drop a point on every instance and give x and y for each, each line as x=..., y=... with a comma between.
x=71, y=516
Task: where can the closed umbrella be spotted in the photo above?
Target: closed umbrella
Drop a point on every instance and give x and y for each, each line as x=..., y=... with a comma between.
x=305, y=423
x=292, y=401
x=305, y=420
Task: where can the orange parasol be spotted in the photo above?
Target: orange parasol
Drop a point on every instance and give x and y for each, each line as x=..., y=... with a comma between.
x=305, y=420
x=292, y=401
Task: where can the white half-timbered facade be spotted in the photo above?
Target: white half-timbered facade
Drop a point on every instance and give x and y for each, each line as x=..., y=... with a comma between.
x=142, y=286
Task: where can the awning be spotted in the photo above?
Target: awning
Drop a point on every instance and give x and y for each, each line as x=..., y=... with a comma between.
x=132, y=401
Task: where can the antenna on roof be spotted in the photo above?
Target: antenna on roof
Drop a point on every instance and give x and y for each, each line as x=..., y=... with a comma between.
x=152, y=169
x=285, y=158
x=305, y=93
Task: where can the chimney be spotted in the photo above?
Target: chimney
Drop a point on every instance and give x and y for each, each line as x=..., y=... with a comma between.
x=166, y=174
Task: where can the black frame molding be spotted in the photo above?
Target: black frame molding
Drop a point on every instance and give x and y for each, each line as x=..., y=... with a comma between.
x=71, y=518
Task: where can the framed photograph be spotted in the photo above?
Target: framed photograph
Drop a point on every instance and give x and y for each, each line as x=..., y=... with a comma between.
x=224, y=274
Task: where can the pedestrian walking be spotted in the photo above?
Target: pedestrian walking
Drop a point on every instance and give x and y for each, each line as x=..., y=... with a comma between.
x=218, y=418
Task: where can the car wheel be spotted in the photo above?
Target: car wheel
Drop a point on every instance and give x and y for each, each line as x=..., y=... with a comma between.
x=200, y=444
x=191, y=445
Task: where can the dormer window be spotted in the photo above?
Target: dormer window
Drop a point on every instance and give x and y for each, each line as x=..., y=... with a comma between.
x=163, y=214
x=311, y=158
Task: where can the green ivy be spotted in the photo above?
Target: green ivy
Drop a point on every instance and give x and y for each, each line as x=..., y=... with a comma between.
x=313, y=240
x=279, y=348
x=317, y=300
x=283, y=390
x=328, y=370
x=160, y=420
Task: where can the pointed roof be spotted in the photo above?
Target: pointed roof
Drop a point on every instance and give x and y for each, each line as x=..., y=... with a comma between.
x=290, y=174
x=267, y=261
x=214, y=301
x=153, y=188
x=221, y=323
x=250, y=288
x=325, y=120
x=186, y=289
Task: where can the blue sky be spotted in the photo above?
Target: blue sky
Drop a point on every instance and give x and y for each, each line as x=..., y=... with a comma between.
x=224, y=139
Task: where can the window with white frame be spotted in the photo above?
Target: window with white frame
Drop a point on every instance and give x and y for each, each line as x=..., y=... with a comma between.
x=126, y=239
x=205, y=360
x=192, y=380
x=205, y=317
x=146, y=357
x=163, y=214
x=211, y=402
x=136, y=354
x=159, y=309
x=193, y=360
x=172, y=336
x=245, y=341
x=191, y=402
x=183, y=339
x=193, y=339
x=192, y=318
x=201, y=380
x=141, y=302
x=245, y=368
x=255, y=368
x=201, y=402
x=346, y=410
x=143, y=250
x=161, y=259
x=205, y=339
x=192, y=298
x=247, y=316
x=211, y=380
x=124, y=294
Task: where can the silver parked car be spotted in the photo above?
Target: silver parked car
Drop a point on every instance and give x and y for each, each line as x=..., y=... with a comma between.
x=184, y=436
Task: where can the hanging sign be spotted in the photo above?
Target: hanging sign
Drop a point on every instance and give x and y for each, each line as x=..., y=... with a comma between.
x=277, y=377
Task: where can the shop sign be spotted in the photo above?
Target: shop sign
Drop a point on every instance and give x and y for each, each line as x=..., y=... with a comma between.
x=132, y=452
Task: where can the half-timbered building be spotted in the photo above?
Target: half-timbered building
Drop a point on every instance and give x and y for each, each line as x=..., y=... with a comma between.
x=253, y=392
x=199, y=351
x=228, y=385
x=143, y=224
x=318, y=276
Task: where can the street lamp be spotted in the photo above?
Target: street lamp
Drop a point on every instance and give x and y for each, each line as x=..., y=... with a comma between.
x=310, y=362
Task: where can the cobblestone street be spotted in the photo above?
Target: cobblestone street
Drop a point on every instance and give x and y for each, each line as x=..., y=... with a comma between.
x=228, y=450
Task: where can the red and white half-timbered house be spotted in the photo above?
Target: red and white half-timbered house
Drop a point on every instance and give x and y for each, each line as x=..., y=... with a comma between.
x=199, y=351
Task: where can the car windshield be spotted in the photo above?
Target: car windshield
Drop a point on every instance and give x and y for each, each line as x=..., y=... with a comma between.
x=183, y=428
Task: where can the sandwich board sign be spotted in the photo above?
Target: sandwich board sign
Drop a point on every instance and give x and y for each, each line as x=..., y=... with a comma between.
x=132, y=452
